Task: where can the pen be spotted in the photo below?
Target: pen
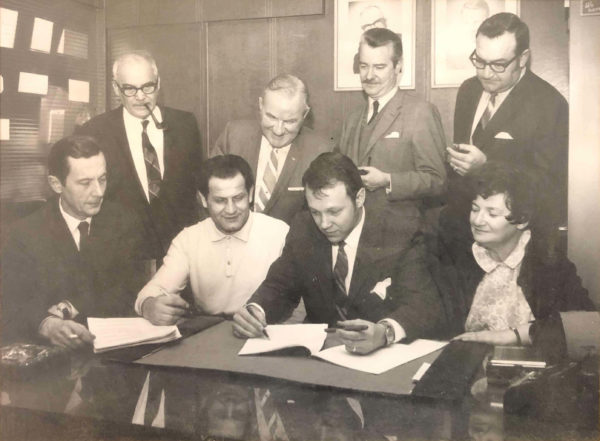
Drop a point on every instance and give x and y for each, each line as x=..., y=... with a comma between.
x=264, y=331
x=348, y=328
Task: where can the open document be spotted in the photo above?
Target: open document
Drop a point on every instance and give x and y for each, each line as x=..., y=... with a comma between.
x=311, y=337
x=115, y=333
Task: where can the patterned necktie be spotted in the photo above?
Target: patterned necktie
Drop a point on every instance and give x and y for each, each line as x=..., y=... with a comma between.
x=375, y=111
x=84, y=229
x=152, y=165
x=268, y=181
x=340, y=272
x=489, y=111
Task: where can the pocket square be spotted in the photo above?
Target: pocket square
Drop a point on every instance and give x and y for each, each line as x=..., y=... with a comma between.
x=392, y=135
x=295, y=188
x=503, y=135
x=381, y=288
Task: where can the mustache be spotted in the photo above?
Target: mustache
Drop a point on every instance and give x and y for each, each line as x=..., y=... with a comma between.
x=370, y=82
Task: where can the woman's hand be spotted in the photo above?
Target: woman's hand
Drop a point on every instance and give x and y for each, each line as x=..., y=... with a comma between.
x=506, y=337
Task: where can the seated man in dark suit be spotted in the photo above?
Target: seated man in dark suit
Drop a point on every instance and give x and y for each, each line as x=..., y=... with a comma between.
x=70, y=259
x=343, y=262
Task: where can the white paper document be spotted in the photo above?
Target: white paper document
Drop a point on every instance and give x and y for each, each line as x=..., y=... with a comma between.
x=114, y=333
x=309, y=336
x=382, y=359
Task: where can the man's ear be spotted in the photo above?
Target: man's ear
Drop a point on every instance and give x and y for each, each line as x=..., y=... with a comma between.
x=202, y=199
x=251, y=195
x=157, y=84
x=398, y=68
x=360, y=197
x=524, y=58
x=116, y=88
x=260, y=103
x=55, y=184
x=523, y=226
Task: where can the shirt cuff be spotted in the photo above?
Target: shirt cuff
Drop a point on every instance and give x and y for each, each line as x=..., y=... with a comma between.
x=388, y=189
x=257, y=306
x=524, y=334
x=399, y=332
x=141, y=298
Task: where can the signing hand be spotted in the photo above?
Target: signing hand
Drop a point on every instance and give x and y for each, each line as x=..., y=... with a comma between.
x=506, y=337
x=66, y=333
x=361, y=342
x=468, y=158
x=164, y=310
x=249, y=322
x=375, y=178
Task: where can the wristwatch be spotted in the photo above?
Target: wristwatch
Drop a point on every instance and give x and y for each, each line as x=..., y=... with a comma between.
x=390, y=334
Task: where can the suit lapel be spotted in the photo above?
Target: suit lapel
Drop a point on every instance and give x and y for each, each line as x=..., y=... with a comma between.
x=253, y=150
x=388, y=115
x=286, y=174
x=62, y=237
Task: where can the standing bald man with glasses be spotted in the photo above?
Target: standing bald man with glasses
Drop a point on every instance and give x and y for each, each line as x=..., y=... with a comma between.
x=505, y=113
x=152, y=152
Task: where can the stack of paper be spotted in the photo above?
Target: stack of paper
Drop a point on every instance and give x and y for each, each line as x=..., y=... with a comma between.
x=115, y=333
x=309, y=336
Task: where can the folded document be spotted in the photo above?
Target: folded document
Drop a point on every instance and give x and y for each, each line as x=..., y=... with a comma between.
x=115, y=333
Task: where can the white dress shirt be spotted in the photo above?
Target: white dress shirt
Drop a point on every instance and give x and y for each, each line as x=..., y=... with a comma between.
x=263, y=161
x=73, y=224
x=382, y=102
x=223, y=270
x=133, y=129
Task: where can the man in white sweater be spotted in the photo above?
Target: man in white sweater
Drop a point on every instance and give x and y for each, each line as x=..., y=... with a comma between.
x=223, y=258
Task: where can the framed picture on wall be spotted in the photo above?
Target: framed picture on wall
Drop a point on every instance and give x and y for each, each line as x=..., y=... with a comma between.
x=454, y=25
x=352, y=18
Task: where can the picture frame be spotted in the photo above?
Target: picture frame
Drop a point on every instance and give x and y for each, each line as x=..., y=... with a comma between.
x=454, y=24
x=352, y=18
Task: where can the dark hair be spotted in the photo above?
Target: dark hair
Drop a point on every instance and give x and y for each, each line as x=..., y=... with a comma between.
x=517, y=184
x=329, y=168
x=75, y=146
x=498, y=24
x=226, y=166
x=377, y=37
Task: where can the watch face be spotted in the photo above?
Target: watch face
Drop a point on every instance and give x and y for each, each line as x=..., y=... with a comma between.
x=389, y=334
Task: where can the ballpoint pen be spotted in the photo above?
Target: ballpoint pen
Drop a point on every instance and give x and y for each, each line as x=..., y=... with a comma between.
x=264, y=331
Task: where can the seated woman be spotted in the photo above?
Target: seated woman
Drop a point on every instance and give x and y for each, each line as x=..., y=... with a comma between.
x=513, y=282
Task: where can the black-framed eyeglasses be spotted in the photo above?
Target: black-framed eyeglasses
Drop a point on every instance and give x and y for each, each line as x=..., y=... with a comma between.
x=129, y=90
x=496, y=66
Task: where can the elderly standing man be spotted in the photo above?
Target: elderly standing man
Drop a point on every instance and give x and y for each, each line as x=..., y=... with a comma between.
x=505, y=113
x=151, y=151
x=396, y=139
x=278, y=146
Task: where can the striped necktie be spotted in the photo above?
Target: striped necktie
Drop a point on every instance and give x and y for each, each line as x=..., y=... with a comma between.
x=152, y=165
x=489, y=111
x=340, y=272
x=268, y=181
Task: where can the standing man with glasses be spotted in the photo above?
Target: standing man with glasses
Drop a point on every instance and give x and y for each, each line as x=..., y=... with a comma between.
x=151, y=151
x=506, y=113
x=278, y=146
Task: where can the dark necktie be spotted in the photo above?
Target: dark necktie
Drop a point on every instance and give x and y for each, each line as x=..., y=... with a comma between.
x=84, y=229
x=152, y=165
x=485, y=119
x=340, y=272
x=375, y=111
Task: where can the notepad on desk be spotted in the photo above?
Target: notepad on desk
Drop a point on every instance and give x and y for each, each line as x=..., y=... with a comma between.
x=312, y=336
x=122, y=332
x=523, y=356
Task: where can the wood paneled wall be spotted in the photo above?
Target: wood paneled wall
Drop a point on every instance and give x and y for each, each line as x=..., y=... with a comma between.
x=215, y=56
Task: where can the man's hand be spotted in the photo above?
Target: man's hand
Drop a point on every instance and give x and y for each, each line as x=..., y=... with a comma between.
x=468, y=158
x=165, y=309
x=375, y=178
x=249, y=322
x=66, y=333
x=496, y=338
x=361, y=342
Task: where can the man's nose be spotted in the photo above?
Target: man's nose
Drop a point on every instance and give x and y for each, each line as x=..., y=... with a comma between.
x=139, y=95
x=98, y=188
x=370, y=73
x=487, y=71
x=230, y=206
x=325, y=222
x=278, y=127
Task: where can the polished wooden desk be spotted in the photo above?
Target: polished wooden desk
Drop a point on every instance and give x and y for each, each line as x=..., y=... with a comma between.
x=92, y=398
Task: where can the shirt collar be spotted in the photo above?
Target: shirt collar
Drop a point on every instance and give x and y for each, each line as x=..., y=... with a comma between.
x=501, y=96
x=72, y=222
x=354, y=236
x=384, y=99
x=488, y=264
x=133, y=121
x=216, y=235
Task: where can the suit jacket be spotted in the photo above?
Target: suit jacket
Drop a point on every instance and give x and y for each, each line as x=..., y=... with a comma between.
x=548, y=280
x=176, y=206
x=304, y=270
x=41, y=267
x=535, y=115
x=243, y=138
x=408, y=142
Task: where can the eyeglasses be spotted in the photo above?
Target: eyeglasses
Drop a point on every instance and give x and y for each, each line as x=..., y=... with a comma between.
x=496, y=66
x=129, y=90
